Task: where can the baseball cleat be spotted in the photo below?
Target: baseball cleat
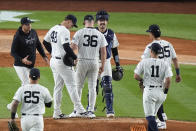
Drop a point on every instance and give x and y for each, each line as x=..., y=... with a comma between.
x=161, y=125
x=75, y=114
x=72, y=115
x=110, y=115
x=61, y=116
x=90, y=114
x=9, y=108
x=157, y=120
x=164, y=116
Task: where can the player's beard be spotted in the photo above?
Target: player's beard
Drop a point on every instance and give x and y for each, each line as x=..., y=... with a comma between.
x=102, y=26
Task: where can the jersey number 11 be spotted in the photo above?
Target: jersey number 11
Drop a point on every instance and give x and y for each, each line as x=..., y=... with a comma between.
x=155, y=71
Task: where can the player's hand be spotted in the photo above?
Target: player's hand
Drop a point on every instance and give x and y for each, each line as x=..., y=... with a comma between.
x=25, y=61
x=119, y=68
x=101, y=69
x=178, y=78
x=75, y=62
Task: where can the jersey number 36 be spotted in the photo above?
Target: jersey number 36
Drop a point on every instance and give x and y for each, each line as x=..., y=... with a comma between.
x=90, y=40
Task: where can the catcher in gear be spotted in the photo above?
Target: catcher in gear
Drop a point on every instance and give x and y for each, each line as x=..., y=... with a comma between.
x=102, y=18
x=12, y=126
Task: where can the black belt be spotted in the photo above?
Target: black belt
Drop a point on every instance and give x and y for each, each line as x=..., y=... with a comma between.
x=57, y=57
x=155, y=86
x=24, y=114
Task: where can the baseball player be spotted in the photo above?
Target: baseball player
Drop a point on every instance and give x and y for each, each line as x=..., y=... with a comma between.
x=89, y=41
x=154, y=71
x=23, y=50
x=57, y=42
x=33, y=98
x=102, y=18
x=168, y=54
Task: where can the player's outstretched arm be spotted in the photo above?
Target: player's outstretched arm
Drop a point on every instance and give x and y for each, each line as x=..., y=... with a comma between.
x=14, y=107
x=177, y=68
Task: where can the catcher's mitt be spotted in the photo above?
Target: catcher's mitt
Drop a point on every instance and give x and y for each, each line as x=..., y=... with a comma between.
x=12, y=126
x=117, y=73
x=68, y=60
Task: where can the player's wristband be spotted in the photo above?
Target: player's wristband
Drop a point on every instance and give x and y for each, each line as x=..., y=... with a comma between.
x=177, y=71
x=141, y=80
x=13, y=115
x=166, y=90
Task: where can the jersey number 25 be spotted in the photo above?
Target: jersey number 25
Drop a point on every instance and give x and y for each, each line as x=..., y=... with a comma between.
x=31, y=97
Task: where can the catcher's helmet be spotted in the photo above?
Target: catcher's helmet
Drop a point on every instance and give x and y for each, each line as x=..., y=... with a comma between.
x=102, y=15
x=117, y=75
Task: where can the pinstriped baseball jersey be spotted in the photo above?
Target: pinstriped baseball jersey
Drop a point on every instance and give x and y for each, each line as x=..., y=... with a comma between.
x=154, y=71
x=57, y=36
x=89, y=41
x=33, y=98
x=167, y=52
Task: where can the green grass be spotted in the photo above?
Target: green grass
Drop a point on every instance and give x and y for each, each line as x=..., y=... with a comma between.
x=180, y=103
x=172, y=25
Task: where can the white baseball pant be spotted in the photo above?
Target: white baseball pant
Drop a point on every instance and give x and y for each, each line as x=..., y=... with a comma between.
x=32, y=123
x=64, y=75
x=23, y=74
x=89, y=69
x=152, y=100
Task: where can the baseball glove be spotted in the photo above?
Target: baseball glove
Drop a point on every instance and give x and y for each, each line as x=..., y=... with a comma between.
x=68, y=60
x=12, y=126
x=141, y=85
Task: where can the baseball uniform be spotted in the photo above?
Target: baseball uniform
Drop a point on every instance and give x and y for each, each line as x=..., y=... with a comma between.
x=89, y=41
x=57, y=36
x=167, y=52
x=106, y=75
x=33, y=98
x=154, y=72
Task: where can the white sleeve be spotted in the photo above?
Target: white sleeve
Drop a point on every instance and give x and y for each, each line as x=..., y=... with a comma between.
x=115, y=41
x=75, y=39
x=168, y=70
x=172, y=51
x=146, y=53
x=103, y=40
x=139, y=68
x=48, y=97
x=47, y=36
x=65, y=37
x=18, y=95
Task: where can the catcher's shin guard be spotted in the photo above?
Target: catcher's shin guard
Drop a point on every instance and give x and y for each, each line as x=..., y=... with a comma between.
x=106, y=84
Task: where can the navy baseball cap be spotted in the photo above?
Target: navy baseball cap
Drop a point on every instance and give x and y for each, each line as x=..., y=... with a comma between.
x=102, y=15
x=73, y=19
x=25, y=20
x=153, y=28
x=156, y=47
x=34, y=73
x=89, y=18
